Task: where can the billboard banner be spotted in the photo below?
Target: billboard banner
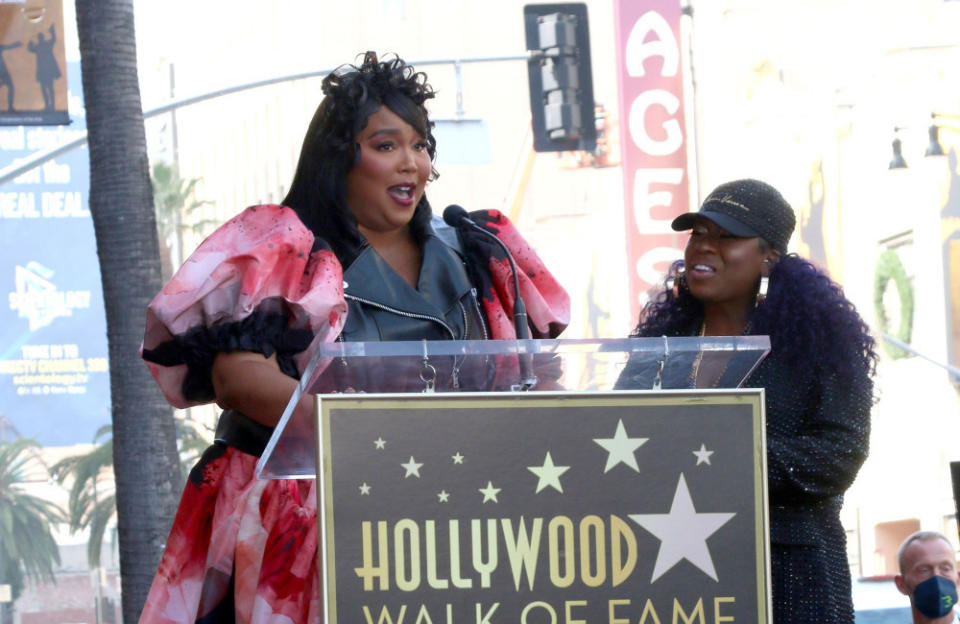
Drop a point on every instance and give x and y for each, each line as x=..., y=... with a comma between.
x=539, y=507
x=653, y=141
x=54, y=385
x=33, y=80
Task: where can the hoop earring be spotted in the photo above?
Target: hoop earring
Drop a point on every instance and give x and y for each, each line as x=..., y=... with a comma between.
x=678, y=283
x=762, y=291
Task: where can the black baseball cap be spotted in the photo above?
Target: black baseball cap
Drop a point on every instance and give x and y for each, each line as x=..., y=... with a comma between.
x=746, y=208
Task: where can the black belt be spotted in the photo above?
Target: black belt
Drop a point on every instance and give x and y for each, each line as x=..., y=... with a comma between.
x=242, y=433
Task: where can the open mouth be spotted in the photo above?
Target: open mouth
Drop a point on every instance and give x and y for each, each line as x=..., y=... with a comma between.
x=703, y=269
x=402, y=192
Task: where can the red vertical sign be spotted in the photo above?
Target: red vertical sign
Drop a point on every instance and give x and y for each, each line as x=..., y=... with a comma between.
x=653, y=140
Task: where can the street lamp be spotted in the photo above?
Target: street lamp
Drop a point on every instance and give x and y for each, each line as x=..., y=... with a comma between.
x=934, y=148
x=897, y=162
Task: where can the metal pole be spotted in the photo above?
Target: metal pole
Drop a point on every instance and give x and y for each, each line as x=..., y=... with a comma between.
x=174, y=139
x=3, y=578
x=687, y=11
x=5, y=606
x=9, y=173
x=955, y=482
x=953, y=370
x=458, y=70
x=98, y=570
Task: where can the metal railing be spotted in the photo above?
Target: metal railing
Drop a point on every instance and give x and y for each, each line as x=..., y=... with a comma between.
x=953, y=370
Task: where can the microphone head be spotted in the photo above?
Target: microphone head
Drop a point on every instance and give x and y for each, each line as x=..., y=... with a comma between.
x=453, y=214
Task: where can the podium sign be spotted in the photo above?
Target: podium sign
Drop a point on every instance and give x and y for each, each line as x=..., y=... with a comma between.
x=542, y=508
x=450, y=366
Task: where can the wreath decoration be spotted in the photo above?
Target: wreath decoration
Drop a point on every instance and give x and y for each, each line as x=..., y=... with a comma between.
x=889, y=268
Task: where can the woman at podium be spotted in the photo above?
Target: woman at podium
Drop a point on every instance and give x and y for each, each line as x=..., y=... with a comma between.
x=353, y=254
x=737, y=278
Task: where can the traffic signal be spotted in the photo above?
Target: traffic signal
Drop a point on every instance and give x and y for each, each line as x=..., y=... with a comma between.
x=558, y=72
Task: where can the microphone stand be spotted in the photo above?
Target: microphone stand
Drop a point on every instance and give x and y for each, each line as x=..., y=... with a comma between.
x=520, y=325
x=528, y=378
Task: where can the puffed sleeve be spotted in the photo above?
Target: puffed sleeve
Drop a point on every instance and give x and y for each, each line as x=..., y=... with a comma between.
x=546, y=301
x=258, y=283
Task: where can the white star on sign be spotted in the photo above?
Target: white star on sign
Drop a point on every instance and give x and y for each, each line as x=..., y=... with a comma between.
x=490, y=492
x=412, y=468
x=364, y=490
x=682, y=533
x=444, y=496
x=458, y=458
x=379, y=443
x=621, y=448
x=703, y=455
x=549, y=474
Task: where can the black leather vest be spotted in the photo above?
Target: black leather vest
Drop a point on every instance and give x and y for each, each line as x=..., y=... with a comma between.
x=383, y=307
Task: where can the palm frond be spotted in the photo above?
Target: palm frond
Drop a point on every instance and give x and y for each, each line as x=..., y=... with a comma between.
x=91, y=502
x=84, y=470
x=98, y=520
x=25, y=520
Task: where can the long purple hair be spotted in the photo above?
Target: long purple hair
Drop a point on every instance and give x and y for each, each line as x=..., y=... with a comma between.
x=810, y=322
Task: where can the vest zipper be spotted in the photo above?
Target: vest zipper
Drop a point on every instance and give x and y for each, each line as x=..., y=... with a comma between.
x=466, y=321
x=455, y=371
x=425, y=317
x=466, y=333
x=476, y=306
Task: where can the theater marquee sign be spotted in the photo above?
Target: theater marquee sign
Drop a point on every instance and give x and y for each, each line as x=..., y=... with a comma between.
x=653, y=140
x=541, y=508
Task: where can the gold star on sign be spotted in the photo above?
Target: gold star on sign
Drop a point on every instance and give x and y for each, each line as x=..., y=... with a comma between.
x=490, y=492
x=412, y=468
x=549, y=474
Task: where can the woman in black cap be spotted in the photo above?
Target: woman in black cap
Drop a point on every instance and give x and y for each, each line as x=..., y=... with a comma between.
x=736, y=278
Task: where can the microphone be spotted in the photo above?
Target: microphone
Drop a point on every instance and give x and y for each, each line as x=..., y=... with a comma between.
x=456, y=217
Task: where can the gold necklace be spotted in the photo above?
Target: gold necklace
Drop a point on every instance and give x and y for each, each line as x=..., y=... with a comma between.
x=698, y=360
x=695, y=369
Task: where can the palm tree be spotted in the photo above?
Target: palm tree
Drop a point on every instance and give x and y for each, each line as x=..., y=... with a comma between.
x=146, y=467
x=92, y=501
x=193, y=438
x=176, y=206
x=27, y=547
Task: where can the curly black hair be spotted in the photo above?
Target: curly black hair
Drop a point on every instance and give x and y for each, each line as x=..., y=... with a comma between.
x=330, y=150
x=810, y=322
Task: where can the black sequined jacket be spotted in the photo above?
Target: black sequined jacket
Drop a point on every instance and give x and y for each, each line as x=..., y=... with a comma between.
x=818, y=429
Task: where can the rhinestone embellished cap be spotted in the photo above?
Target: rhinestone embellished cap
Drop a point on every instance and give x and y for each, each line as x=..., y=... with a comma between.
x=746, y=208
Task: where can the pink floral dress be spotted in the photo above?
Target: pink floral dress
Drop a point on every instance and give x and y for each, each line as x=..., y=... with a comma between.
x=242, y=548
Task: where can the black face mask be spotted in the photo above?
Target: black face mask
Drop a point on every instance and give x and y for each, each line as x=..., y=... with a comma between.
x=935, y=596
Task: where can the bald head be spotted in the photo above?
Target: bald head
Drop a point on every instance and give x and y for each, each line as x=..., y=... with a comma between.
x=919, y=536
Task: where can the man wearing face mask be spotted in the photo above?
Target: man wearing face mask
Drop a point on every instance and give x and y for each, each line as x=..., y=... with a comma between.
x=928, y=575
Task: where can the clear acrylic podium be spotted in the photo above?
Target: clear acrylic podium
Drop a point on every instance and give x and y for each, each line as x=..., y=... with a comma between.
x=696, y=364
